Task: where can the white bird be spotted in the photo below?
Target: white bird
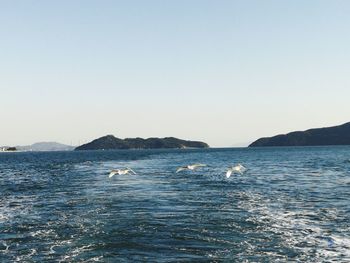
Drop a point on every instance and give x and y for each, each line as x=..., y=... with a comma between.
x=235, y=169
x=190, y=167
x=120, y=172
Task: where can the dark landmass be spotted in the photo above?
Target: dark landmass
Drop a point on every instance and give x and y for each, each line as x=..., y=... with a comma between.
x=11, y=149
x=46, y=146
x=336, y=135
x=110, y=142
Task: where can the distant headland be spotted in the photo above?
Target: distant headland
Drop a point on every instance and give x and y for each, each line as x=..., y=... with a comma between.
x=336, y=135
x=109, y=142
x=8, y=149
x=38, y=147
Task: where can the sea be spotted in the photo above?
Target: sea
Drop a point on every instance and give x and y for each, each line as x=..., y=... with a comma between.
x=291, y=205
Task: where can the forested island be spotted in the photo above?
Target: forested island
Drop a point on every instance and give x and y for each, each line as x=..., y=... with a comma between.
x=110, y=142
x=336, y=135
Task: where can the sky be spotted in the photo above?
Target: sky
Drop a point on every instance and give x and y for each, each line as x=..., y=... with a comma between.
x=224, y=72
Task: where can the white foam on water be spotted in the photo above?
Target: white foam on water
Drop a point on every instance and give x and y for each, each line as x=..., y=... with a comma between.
x=298, y=229
x=44, y=233
x=12, y=207
x=6, y=250
x=77, y=251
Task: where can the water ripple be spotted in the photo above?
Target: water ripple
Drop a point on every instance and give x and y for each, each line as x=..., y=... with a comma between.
x=292, y=205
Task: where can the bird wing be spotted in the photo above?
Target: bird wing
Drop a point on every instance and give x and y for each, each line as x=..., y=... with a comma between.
x=198, y=165
x=131, y=170
x=181, y=169
x=242, y=167
x=112, y=173
x=228, y=173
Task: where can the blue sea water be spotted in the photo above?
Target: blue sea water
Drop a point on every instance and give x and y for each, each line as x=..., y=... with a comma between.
x=291, y=205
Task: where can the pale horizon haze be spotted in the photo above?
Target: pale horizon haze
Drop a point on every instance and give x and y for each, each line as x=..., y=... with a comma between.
x=223, y=72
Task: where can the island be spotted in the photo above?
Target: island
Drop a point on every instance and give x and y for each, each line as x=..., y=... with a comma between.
x=46, y=147
x=109, y=142
x=8, y=149
x=336, y=135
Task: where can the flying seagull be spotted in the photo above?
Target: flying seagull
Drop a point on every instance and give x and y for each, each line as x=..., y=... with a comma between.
x=121, y=171
x=235, y=169
x=190, y=167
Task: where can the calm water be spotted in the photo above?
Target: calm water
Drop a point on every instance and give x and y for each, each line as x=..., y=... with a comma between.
x=292, y=205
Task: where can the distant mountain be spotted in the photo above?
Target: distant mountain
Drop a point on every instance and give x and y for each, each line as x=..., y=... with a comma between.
x=46, y=146
x=336, y=135
x=110, y=142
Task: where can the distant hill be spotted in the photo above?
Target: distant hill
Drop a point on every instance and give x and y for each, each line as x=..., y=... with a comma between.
x=46, y=146
x=336, y=135
x=110, y=142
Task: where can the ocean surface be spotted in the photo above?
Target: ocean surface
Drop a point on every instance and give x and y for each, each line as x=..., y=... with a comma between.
x=291, y=205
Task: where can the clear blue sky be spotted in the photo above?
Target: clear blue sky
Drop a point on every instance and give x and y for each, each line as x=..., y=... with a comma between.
x=226, y=72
